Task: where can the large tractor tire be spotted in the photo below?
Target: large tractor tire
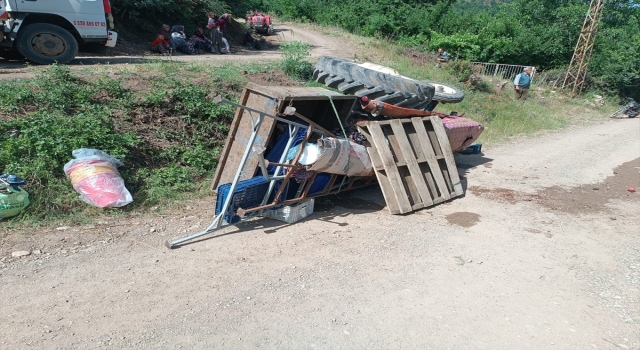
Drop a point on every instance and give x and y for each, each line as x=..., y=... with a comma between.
x=44, y=43
x=383, y=83
x=359, y=80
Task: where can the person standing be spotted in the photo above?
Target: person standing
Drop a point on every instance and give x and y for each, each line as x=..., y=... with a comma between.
x=211, y=24
x=522, y=83
x=223, y=21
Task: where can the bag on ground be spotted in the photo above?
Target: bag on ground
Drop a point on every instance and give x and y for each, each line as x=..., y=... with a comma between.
x=94, y=175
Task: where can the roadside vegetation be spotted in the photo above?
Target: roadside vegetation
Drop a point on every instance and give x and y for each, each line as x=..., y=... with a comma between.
x=160, y=120
x=541, y=33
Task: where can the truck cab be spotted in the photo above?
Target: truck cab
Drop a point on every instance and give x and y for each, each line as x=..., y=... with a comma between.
x=50, y=31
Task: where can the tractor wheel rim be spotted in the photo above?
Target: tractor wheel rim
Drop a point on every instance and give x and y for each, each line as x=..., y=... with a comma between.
x=48, y=44
x=443, y=89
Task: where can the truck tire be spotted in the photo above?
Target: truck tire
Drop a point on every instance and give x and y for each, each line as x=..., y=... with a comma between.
x=44, y=43
x=353, y=79
x=446, y=93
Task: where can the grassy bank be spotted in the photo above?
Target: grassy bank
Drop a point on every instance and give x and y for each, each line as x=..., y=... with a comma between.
x=491, y=101
x=159, y=119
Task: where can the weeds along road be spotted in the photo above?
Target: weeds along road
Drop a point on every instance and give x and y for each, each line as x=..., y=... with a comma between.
x=542, y=252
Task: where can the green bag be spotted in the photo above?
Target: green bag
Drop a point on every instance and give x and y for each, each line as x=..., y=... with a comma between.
x=12, y=201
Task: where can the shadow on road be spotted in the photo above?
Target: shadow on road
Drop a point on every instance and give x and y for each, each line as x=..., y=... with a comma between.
x=88, y=61
x=80, y=61
x=464, y=162
x=327, y=209
x=12, y=64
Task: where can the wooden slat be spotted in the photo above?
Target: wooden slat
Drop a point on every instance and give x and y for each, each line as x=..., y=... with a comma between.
x=296, y=92
x=418, y=160
x=433, y=137
x=392, y=143
x=241, y=135
x=397, y=187
x=428, y=175
x=418, y=124
x=398, y=158
x=222, y=159
x=412, y=164
x=375, y=157
x=438, y=126
x=415, y=141
x=383, y=179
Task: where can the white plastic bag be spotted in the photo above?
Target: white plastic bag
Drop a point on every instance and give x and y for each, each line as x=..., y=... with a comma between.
x=94, y=175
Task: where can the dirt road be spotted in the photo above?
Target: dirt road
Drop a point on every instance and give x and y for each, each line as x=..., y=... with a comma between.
x=512, y=264
x=542, y=252
x=321, y=45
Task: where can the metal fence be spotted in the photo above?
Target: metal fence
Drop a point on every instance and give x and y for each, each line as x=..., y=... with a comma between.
x=500, y=71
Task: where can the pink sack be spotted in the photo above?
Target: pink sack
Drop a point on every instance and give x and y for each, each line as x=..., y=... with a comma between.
x=461, y=131
x=94, y=175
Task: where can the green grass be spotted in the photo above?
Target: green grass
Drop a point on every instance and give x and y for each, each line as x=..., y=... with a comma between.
x=504, y=117
x=165, y=128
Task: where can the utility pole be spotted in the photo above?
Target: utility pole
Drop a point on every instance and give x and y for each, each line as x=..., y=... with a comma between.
x=582, y=54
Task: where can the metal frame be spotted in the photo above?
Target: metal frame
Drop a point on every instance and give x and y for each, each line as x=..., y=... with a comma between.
x=302, y=193
x=500, y=70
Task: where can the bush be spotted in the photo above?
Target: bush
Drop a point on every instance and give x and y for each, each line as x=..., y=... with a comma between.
x=294, y=63
x=149, y=15
x=168, y=136
x=540, y=33
x=461, y=69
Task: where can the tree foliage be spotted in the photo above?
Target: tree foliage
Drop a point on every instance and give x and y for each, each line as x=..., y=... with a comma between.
x=149, y=15
x=542, y=33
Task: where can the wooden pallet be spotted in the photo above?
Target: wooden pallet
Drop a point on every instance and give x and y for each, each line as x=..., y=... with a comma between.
x=413, y=162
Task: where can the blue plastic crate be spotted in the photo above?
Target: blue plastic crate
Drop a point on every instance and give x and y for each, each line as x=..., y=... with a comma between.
x=473, y=149
x=248, y=194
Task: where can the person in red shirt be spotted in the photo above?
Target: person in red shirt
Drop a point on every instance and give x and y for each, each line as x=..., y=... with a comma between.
x=160, y=45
